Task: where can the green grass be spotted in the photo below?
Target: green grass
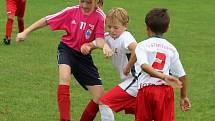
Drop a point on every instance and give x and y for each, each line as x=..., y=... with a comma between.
x=29, y=75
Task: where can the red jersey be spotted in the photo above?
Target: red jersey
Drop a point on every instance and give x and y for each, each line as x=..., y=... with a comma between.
x=79, y=28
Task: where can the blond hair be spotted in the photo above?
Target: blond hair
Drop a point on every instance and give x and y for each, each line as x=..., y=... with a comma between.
x=119, y=14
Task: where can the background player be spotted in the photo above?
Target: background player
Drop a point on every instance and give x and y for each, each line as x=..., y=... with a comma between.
x=14, y=8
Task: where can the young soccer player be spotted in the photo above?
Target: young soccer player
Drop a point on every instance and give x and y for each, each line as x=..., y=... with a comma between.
x=82, y=23
x=14, y=8
x=122, y=96
x=155, y=99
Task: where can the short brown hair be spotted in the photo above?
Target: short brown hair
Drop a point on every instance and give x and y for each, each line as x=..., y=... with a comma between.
x=158, y=20
x=119, y=14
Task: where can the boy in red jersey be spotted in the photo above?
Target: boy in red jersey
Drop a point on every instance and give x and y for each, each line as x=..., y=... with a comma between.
x=155, y=98
x=14, y=8
x=82, y=23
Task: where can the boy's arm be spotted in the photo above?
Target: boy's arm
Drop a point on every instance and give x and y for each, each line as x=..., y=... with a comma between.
x=38, y=24
x=86, y=48
x=184, y=102
x=132, y=59
x=171, y=80
x=100, y=43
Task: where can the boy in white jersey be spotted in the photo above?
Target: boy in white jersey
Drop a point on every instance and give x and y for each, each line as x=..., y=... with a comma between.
x=122, y=96
x=155, y=99
x=82, y=23
x=122, y=43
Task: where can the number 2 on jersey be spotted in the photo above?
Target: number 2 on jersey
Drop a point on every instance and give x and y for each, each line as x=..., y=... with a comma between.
x=159, y=61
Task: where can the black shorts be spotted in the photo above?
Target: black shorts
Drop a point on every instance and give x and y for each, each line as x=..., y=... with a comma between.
x=82, y=66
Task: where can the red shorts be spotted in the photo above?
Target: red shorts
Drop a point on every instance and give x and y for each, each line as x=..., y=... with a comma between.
x=15, y=7
x=155, y=103
x=118, y=99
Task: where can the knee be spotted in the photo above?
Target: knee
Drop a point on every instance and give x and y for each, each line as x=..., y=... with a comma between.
x=10, y=17
x=64, y=80
x=97, y=97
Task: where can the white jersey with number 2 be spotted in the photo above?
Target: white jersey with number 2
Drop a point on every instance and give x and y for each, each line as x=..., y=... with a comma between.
x=162, y=56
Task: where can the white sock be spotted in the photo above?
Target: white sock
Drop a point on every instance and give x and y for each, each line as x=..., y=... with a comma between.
x=106, y=113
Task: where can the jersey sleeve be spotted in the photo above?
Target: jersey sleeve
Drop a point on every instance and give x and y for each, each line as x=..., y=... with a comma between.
x=128, y=39
x=106, y=36
x=141, y=54
x=176, y=67
x=100, y=27
x=58, y=21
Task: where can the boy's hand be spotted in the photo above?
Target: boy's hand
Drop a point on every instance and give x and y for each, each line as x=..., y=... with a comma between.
x=185, y=104
x=107, y=51
x=173, y=81
x=126, y=70
x=20, y=37
x=85, y=48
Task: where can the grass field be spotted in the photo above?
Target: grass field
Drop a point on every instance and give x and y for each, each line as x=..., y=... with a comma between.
x=29, y=75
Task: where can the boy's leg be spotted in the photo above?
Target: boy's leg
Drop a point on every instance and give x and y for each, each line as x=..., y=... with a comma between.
x=90, y=111
x=143, y=106
x=20, y=14
x=118, y=99
x=11, y=9
x=106, y=113
x=63, y=92
x=92, y=108
x=9, y=27
x=20, y=24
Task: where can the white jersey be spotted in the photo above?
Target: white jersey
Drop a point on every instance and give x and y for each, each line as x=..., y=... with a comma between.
x=162, y=56
x=120, y=57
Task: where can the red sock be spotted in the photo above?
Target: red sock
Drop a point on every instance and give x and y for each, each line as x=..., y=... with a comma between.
x=9, y=26
x=64, y=102
x=90, y=111
x=21, y=25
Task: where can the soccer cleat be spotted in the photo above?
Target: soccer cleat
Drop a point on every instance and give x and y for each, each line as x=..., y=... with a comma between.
x=6, y=41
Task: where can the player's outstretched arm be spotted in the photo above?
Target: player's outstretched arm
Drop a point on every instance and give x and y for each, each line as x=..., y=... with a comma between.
x=171, y=80
x=184, y=102
x=38, y=24
x=86, y=48
x=100, y=43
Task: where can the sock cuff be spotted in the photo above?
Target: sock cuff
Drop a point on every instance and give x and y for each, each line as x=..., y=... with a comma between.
x=93, y=104
x=10, y=20
x=63, y=89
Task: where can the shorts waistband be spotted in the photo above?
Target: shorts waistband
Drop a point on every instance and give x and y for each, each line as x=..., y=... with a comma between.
x=150, y=84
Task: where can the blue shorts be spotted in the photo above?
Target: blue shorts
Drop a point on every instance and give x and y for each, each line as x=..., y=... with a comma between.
x=82, y=66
